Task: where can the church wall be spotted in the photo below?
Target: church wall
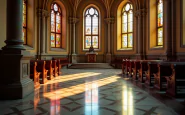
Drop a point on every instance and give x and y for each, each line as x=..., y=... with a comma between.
x=2, y=22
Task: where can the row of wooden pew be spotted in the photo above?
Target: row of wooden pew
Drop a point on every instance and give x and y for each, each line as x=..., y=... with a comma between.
x=43, y=70
x=166, y=76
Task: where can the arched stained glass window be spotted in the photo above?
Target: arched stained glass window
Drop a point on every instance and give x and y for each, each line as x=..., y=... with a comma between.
x=91, y=32
x=55, y=26
x=24, y=37
x=160, y=23
x=127, y=26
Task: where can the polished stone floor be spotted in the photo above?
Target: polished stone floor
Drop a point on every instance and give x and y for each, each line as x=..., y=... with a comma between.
x=87, y=92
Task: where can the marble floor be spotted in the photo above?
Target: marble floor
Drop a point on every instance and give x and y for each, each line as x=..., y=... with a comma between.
x=87, y=92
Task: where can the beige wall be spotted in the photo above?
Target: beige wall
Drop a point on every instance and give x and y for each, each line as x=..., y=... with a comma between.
x=2, y=22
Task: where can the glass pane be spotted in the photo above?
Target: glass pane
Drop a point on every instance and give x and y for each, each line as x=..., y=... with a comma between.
x=52, y=21
x=24, y=35
x=58, y=40
x=160, y=19
x=95, y=25
x=52, y=26
x=88, y=25
x=130, y=17
x=124, y=18
x=55, y=7
x=52, y=40
x=88, y=30
x=160, y=36
x=58, y=28
x=160, y=8
x=95, y=41
x=130, y=40
x=160, y=32
x=95, y=30
x=24, y=7
x=24, y=20
x=124, y=28
x=130, y=27
x=160, y=41
x=52, y=16
x=124, y=41
x=87, y=41
x=58, y=18
x=127, y=7
x=91, y=11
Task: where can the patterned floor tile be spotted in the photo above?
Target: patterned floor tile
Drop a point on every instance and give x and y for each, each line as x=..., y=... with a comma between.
x=87, y=92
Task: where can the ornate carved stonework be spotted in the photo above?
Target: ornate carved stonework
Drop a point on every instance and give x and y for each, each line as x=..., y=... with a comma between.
x=140, y=12
x=75, y=4
x=110, y=20
x=73, y=20
x=108, y=4
x=42, y=13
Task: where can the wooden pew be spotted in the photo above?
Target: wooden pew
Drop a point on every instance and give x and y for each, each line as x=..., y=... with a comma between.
x=131, y=68
x=176, y=82
x=116, y=62
x=152, y=69
x=34, y=74
x=136, y=70
x=164, y=70
x=50, y=69
x=59, y=67
x=64, y=61
x=123, y=65
x=142, y=70
x=41, y=68
x=54, y=66
x=127, y=66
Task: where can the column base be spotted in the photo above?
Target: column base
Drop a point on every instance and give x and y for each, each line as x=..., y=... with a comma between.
x=15, y=82
x=74, y=58
x=108, y=58
x=17, y=90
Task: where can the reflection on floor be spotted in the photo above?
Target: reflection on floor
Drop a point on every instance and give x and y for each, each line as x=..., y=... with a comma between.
x=87, y=92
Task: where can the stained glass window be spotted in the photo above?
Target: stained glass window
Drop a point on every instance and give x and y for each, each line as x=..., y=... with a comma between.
x=127, y=26
x=160, y=23
x=91, y=29
x=24, y=24
x=55, y=26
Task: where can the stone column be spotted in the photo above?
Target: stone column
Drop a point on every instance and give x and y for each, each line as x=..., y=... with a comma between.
x=167, y=28
x=39, y=14
x=42, y=14
x=108, y=55
x=15, y=61
x=73, y=22
x=140, y=32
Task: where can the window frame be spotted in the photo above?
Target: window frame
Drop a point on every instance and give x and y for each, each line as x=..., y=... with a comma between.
x=91, y=35
x=55, y=15
x=122, y=14
x=158, y=27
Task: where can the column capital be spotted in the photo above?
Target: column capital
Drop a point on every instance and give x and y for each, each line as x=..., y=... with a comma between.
x=42, y=13
x=73, y=20
x=110, y=20
x=140, y=13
